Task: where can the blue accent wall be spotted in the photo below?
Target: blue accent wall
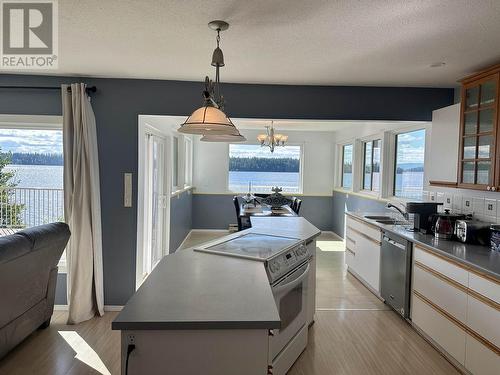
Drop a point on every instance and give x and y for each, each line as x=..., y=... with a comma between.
x=342, y=202
x=180, y=218
x=216, y=211
x=118, y=103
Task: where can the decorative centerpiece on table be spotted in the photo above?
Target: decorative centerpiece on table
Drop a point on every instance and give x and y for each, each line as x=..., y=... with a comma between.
x=276, y=200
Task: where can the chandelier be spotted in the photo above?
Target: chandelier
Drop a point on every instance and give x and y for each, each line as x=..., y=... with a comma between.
x=210, y=119
x=271, y=139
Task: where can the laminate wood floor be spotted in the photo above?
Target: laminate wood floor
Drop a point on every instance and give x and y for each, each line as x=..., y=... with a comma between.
x=354, y=333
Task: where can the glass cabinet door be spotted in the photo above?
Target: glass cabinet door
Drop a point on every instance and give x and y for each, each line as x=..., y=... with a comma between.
x=479, y=132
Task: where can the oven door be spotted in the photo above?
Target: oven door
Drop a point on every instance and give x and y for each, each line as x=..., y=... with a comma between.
x=290, y=294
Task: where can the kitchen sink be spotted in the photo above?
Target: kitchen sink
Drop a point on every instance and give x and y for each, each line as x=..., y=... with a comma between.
x=377, y=218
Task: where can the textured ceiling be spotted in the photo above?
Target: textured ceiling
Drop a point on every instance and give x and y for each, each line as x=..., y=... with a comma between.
x=320, y=42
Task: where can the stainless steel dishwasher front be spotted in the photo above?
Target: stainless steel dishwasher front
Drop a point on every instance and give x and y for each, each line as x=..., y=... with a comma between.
x=395, y=272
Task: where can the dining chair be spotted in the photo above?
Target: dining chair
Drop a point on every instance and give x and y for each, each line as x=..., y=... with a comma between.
x=236, y=203
x=293, y=204
x=260, y=195
x=298, y=203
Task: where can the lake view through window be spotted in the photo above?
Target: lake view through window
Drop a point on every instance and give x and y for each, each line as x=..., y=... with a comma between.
x=256, y=165
x=409, y=171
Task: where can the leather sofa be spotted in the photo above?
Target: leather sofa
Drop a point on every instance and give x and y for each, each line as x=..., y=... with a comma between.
x=28, y=276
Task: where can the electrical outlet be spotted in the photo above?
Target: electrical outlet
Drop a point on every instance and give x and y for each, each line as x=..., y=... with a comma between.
x=130, y=339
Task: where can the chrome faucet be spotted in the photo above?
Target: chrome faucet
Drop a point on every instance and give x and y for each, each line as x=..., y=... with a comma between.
x=403, y=213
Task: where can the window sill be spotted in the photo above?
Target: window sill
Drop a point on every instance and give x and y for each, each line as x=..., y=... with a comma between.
x=180, y=191
x=362, y=194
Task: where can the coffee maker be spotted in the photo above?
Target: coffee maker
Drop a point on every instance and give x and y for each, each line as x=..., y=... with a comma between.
x=422, y=214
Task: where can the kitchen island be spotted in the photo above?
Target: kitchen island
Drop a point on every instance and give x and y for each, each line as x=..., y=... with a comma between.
x=204, y=313
x=454, y=288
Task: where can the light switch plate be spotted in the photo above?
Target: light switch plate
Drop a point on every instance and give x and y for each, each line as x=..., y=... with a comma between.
x=466, y=205
x=127, y=190
x=490, y=207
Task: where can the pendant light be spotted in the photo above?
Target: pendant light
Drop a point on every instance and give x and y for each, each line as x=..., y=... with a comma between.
x=223, y=138
x=211, y=119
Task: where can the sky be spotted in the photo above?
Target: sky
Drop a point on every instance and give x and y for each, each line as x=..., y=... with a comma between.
x=23, y=140
x=264, y=152
x=411, y=147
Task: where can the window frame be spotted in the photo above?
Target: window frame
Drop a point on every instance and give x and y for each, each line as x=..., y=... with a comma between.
x=301, y=166
x=175, y=166
x=364, y=142
x=340, y=175
x=393, y=159
x=188, y=162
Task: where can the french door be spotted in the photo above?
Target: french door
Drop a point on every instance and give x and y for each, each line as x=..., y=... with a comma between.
x=156, y=202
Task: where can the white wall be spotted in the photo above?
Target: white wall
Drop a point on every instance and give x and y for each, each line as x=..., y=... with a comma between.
x=211, y=162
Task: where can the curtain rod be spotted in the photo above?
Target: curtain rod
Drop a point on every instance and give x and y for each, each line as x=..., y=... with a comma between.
x=88, y=89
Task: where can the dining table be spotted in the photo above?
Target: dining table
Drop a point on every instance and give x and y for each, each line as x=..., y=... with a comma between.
x=249, y=209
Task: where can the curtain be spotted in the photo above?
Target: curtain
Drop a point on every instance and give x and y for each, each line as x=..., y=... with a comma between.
x=82, y=207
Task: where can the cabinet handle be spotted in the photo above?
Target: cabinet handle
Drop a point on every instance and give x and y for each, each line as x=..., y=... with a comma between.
x=488, y=188
x=493, y=188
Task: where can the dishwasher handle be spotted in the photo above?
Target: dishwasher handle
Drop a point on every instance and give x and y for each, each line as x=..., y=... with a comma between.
x=394, y=243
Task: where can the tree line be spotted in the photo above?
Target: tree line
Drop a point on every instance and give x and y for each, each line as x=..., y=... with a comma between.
x=254, y=164
x=33, y=158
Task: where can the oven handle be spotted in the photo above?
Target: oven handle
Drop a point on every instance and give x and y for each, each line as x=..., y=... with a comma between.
x=294, y=282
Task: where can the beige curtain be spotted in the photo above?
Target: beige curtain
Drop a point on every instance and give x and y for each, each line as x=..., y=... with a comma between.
x=82, y=207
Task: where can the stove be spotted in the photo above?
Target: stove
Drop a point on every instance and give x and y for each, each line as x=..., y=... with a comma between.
x=279, y=254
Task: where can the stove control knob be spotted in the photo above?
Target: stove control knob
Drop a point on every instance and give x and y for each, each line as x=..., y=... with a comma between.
x=274, y=266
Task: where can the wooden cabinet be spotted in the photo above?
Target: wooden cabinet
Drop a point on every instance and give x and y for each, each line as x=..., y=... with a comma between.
x=479, y=137
x=363, y=252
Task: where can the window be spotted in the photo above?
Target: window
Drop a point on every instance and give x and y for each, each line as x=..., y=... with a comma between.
x=188, y=162
x=175, y=163
x=371, y=165
x=409, y=168
x=254, y=168
x=31, y=178
x=346, y=176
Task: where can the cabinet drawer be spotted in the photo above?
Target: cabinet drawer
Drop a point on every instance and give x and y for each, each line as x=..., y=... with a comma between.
x=439, y=328
x=484, y=320
x=443, y=292
x=363, y=229
x=479, y=359
x=442, y=266
x=488, y=288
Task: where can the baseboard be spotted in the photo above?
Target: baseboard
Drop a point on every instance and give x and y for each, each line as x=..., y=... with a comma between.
x=365, y=283
x=210, y=230
x=332, y=233
x=106, y=308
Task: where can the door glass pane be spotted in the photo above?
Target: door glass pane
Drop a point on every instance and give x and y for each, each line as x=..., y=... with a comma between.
x=468, y=169
x=486, y=120
x=376, y=165
x=471, y=97
x=470, y=123
x=470, y=148
x=347, y=167
x=484, y=146
x=488, y=91
x=367, y=179
x=483, y=172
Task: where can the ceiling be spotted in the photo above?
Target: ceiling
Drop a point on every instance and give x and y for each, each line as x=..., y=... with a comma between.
x=317, y=42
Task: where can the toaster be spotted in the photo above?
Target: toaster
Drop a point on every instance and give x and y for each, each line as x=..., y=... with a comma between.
x=473, y=231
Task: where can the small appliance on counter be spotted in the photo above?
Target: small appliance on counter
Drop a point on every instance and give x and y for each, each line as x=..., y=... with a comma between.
x=443, y=224
x=421, y=213
x=473, y=231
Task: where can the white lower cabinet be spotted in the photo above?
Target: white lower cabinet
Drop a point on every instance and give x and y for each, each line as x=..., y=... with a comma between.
x=458, y=309
x=439, y=328
x=363, y=252
x=479, y=359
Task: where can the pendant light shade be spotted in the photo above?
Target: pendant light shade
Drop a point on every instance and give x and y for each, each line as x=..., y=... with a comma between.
x=223, y=138
x=208, y=120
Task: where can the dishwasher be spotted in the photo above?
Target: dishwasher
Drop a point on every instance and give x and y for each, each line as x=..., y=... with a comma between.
x=395, y=272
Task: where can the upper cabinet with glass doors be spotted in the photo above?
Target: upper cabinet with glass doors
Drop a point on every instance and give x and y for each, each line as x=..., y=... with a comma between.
x=479, y=151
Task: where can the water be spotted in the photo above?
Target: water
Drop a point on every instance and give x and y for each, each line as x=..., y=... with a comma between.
x=263, y=182
x=34, y=192
x=37, y=176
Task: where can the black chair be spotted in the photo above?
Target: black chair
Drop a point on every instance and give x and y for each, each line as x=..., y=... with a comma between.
x=298, y=203
x=293, y=204
x=259, y=195
x=237, y=207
